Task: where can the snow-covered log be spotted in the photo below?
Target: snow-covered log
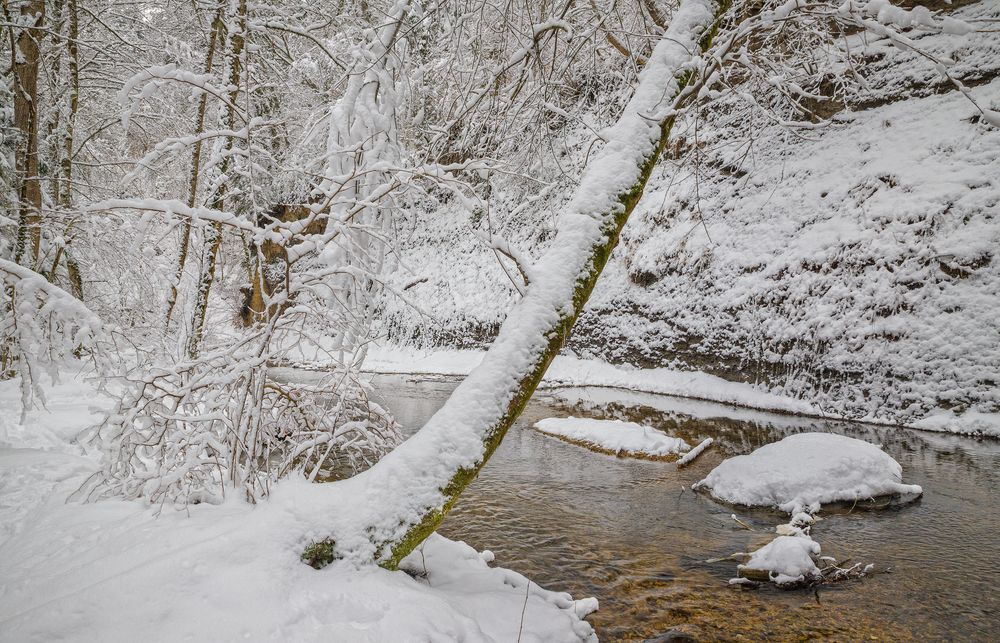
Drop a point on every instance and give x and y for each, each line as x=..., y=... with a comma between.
x=407, y=494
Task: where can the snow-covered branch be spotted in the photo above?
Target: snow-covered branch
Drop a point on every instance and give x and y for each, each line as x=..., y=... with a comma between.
x=41, y=325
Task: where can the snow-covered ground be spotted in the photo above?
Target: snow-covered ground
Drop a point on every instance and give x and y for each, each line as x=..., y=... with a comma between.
x=803, y=471
x=615, y=436
x=123, y=571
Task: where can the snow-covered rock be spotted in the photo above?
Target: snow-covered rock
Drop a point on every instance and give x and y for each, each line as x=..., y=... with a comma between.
x=806, y=470
x=786, y=559
x=614, y=436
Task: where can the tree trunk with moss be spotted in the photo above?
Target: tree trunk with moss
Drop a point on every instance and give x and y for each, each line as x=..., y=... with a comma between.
x=430, y=470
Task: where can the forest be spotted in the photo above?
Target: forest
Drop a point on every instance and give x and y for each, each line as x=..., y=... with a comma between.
x=314, y=314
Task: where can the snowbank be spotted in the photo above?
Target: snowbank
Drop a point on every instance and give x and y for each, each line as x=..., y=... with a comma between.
x=614, y=436
x=803, y=471
x=121, y=571
x=970, y=422
x=786, y=559
x=569, y=371
x=566, y=370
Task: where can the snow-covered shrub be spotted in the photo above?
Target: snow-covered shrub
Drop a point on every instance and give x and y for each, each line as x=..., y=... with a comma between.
x=41, y=327
x=185, y=433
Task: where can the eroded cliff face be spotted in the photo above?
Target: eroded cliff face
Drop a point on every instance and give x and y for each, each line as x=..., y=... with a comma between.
x=853, y=264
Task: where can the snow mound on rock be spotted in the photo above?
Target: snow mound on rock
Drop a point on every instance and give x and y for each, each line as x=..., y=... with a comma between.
x=786, y=559
x=614, y=436
x=803, y=471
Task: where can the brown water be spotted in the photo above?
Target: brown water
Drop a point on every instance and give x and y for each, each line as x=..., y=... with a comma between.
x=634, y=535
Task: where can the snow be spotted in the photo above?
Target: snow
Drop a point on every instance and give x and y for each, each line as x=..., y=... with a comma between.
x=389, y=499
x=971, y=422
x=860, y=277
x=221, y=572
x=42, y=325
x=788, y=559
x=197, y=215
x=617, y=436
x=804, y=471
x=123, y=571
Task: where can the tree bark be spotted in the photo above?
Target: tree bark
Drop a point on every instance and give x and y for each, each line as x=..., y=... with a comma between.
x=56, y=24
x=62, y=180
x=72, y=49
x=408, y=493
x=26, y=62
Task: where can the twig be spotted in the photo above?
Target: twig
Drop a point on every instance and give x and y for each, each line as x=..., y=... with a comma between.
x=524, y=608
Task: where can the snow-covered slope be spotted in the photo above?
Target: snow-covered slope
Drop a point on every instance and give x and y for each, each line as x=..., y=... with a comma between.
x=852, y=266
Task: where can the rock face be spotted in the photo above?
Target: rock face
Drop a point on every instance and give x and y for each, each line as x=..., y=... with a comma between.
x=854, y=267
x=804, y=471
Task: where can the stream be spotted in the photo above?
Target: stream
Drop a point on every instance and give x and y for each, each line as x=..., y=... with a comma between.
x=634, y=535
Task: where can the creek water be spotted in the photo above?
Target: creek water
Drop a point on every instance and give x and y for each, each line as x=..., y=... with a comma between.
x=634, y=535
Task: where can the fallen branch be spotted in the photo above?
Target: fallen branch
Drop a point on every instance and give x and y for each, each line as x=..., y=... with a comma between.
x=690, y=456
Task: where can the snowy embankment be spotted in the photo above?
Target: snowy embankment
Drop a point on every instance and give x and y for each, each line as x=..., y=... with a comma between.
x=121, y=571
x=568, y=371
x=617, y=437
x=573, y=371
x=804, y=471
x=854, y=267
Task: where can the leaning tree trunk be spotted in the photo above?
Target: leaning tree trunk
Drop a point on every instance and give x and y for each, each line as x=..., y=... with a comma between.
x=26, y=61
x=406, y=495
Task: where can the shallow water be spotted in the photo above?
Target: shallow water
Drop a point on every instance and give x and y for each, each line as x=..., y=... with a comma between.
x=634, y=535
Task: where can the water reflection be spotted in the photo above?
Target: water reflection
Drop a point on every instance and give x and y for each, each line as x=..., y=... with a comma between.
x=632, y=533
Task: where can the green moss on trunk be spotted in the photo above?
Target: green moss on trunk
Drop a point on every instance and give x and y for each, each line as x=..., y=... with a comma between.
x=557, y=336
